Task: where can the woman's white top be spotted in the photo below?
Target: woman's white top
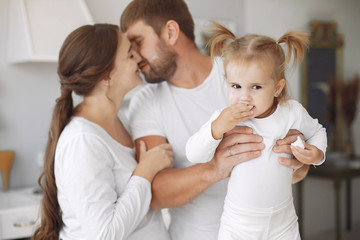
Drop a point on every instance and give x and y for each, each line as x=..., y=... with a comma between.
x=262, y=182
x=98, y=196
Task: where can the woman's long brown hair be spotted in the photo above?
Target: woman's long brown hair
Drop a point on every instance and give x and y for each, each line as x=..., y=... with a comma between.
x=86, y=57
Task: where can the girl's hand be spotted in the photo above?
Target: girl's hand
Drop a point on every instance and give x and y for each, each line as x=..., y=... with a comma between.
x=229, y=117
x=154, y=160
x=309, y=155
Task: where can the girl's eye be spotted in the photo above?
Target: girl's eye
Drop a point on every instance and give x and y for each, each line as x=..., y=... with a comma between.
x=256, y=87
x=236, y=86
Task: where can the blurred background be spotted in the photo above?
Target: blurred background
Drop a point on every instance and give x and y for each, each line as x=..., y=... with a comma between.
x=29, y=87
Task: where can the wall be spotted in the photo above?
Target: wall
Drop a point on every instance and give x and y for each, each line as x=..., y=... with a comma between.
x=28, y=91
x=27, y=94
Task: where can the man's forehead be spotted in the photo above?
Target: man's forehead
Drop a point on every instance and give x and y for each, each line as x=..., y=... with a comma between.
x=138, y=29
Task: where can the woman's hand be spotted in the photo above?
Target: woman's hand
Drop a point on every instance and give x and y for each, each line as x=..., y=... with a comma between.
x=229, y=117
x=154, y=160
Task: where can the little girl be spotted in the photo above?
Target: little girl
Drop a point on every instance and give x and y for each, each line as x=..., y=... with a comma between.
x=259, y=202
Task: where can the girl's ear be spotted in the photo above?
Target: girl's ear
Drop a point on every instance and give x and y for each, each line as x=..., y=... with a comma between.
x=279, y=87
x=170, y=32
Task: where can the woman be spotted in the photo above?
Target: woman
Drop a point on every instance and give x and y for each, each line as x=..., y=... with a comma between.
x=93, y=186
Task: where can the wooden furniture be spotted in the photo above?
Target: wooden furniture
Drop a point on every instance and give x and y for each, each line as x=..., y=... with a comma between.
x=19, y=211
x=337, y=168
x=6, y=160
x=322, y=74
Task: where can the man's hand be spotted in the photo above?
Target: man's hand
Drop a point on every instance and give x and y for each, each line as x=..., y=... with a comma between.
x=238, y=145
x=283, y=146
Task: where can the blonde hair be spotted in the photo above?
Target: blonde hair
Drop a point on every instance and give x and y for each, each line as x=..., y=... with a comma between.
x=256, y=48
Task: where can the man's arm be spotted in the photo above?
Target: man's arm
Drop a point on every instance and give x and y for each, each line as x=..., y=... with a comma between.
x=176, y=187
x=300, y=173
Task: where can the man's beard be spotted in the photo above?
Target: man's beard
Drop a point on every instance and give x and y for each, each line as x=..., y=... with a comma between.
x=163, y=66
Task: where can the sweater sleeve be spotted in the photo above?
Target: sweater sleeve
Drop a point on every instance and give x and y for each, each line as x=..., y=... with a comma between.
x=86, y=179
x=314, y=132
x=201, y=146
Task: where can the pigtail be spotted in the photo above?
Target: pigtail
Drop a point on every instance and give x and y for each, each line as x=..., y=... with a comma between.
x=218, y=41
x=86, y=56
x=297, y=43
x=51, y=221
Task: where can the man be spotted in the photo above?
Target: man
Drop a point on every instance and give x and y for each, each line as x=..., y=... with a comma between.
x=188, y=89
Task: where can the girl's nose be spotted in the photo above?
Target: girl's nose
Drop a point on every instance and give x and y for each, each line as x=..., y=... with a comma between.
x=245, y=97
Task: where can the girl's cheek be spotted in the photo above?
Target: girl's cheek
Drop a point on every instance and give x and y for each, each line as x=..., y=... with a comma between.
x=233, y=97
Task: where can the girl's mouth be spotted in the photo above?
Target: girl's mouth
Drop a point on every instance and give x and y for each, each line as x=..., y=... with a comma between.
x=247, y=104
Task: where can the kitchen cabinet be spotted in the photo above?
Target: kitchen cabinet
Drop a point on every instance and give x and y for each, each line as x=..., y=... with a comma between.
x=37, y=28
x=19, y=213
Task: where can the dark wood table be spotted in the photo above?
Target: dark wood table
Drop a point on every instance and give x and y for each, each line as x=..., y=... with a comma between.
x=337, y=168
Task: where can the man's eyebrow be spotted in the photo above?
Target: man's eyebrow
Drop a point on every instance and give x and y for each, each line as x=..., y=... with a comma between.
x=134, y=38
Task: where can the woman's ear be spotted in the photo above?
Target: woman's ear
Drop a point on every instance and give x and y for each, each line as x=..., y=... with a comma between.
x=170, y=32
x=279, y=87
x=106, y=81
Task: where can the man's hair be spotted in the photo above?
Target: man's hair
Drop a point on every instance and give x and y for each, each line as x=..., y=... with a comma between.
x=156, y=13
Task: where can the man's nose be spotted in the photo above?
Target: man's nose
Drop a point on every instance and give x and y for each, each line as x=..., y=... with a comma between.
x=137, y=56
x=135, y=46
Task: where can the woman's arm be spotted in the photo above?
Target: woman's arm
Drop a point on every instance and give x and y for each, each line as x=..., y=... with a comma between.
x=87, y=188
x=176, y=187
